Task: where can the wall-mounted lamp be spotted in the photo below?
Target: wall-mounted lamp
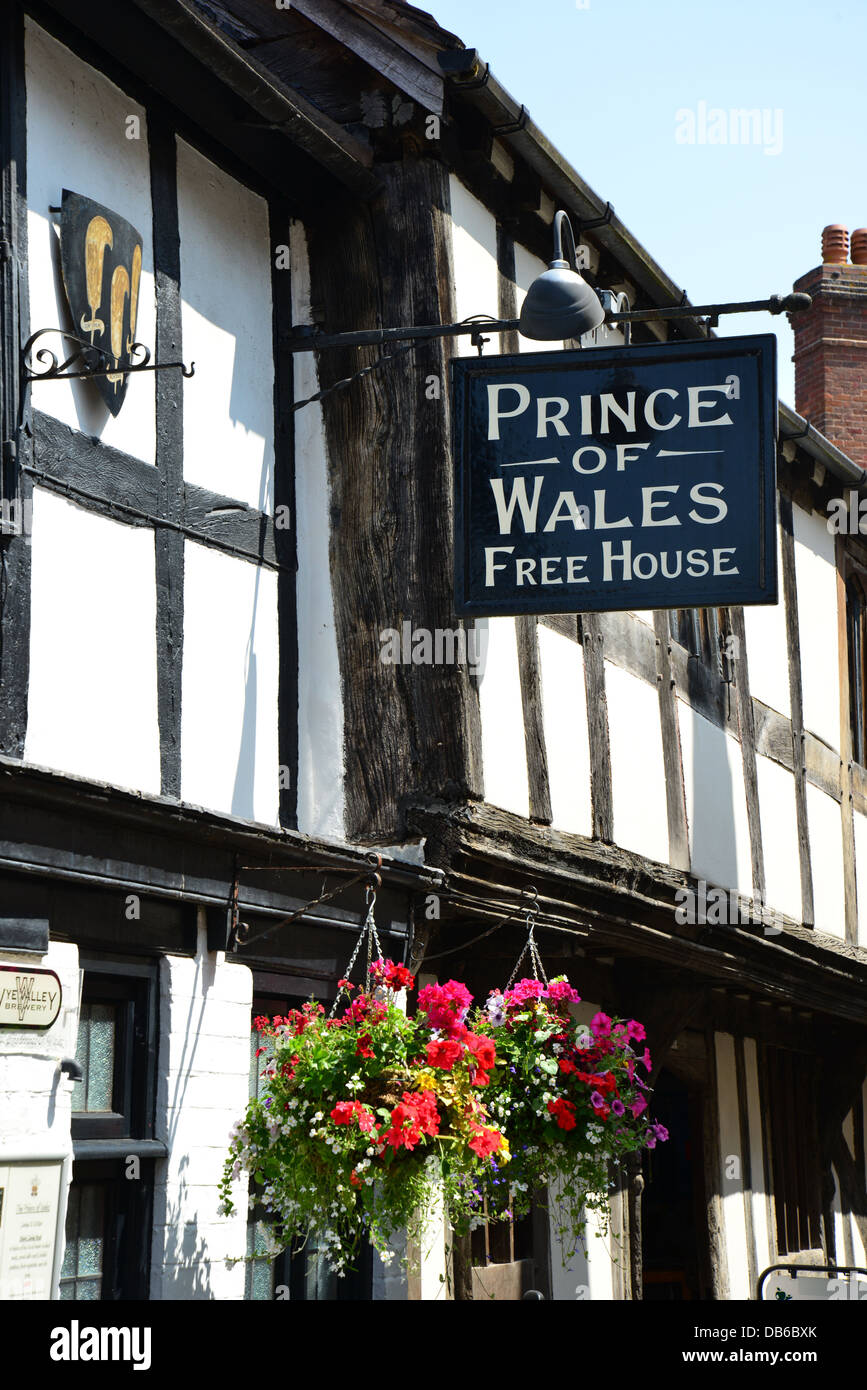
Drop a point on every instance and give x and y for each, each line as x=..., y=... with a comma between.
x=559, y=303
x=72, y=1069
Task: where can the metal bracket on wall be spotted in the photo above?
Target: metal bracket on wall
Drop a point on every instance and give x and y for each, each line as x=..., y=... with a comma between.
x=239, y=932
x=87, y=360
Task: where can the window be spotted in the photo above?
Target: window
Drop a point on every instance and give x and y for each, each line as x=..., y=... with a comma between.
x=110, y=1210
x=856, y=626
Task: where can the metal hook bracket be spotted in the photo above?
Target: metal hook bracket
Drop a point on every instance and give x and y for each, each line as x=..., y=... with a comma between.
x=239, y=932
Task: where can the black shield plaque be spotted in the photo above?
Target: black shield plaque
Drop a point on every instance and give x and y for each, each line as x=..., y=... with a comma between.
x=101, y=255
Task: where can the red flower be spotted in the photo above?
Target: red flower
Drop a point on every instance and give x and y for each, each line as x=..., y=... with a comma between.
x=385, y=972
x=483, y=1049
x=414, y=1116
x=345, y=1111
x=354, y=1179
x=364, y=1048
x=443, y=1053
x=563, y=1111
x=486, y=1141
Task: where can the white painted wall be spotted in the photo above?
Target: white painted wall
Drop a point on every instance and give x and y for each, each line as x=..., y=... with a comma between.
x=35, y=1097
x=229, y=748
x=76, y=139
x=637, y=772
x=564, y=716
x=203, y=1084
x=92, y=702
x=826, y=858
x=474, y=251
x=504, y=751
x=763, y=1241
x=732, y=1188
x=779, y=837
x=321, y=796
x=716, y=807
x=816, y=578
x=767, y=649
x=226, y=328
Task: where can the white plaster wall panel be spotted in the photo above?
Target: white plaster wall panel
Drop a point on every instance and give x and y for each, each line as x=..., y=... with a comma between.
x=35, y=1101
x=92, y=703
x=731, y=1188
x=861, y=874
x=474, y=253
x=321, y=796
x=504, y=751
x=76, y=139
x=779, y=837
x=716, y=806
x=767, y=648
x=564, y=713
x=201, y=1001
x=816, y=578
x=757, y=1197
x=226, y=328
x=229, y=749
x=826, y=859
x=527, y=267
x=637, y=771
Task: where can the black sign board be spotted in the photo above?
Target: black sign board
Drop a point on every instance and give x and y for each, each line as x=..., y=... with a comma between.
x=616, y=478
x=101, y=256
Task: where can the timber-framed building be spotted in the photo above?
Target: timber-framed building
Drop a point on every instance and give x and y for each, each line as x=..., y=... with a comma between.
x=197, y=728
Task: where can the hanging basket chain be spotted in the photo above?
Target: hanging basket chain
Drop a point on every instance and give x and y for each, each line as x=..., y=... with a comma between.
x=531, y=949
x=368, y=935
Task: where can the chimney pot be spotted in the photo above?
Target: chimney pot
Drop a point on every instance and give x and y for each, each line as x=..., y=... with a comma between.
x=835, y=245
x=859, y=246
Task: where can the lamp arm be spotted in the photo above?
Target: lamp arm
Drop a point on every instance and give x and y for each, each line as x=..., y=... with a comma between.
x=561, y=221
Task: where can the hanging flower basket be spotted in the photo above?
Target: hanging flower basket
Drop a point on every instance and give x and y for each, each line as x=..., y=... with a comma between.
x=570, y=1096
x=369, y=1119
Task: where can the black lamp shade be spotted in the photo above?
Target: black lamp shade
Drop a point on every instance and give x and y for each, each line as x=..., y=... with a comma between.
x=559, y=304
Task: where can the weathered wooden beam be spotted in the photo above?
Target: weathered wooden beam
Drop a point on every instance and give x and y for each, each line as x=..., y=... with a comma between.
x=597, y=728
x=790, y=596
x=410, y=729
x=675, y=794
x=850, y=890
x=747, y=732
x=534, y=731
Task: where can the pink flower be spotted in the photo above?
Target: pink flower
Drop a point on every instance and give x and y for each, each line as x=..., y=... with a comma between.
x=638, y=1106
x=560, y=991
x=635, y=1031
x=601, y=1025
x=446, y=1005
x=524, y=990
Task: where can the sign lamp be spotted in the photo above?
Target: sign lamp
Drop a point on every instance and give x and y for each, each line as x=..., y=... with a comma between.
x=559, y=303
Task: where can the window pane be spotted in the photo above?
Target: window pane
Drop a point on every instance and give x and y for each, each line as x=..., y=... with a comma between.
x=85, y=1216
x=100, y=1071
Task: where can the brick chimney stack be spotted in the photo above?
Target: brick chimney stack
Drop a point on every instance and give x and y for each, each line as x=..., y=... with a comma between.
x=831, y=343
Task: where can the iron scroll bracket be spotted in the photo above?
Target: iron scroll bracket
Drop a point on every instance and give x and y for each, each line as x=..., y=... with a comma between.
x=239, y=932
x=87, y=360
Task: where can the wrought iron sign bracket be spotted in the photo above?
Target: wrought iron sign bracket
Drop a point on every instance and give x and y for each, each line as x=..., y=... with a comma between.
x=239, y=932
x=87, y=360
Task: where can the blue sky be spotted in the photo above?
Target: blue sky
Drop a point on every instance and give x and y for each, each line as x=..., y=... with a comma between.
x=727, y=222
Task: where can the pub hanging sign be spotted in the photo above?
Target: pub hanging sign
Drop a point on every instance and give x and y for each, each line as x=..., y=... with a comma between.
x=616, y=478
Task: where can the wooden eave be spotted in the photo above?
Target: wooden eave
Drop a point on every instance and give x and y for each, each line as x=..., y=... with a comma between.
x=617, y=902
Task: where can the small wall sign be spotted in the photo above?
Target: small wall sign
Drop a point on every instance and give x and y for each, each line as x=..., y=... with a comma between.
x=101, y=258
x=616, y=478
x=28, y=998
x=29, y=1210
